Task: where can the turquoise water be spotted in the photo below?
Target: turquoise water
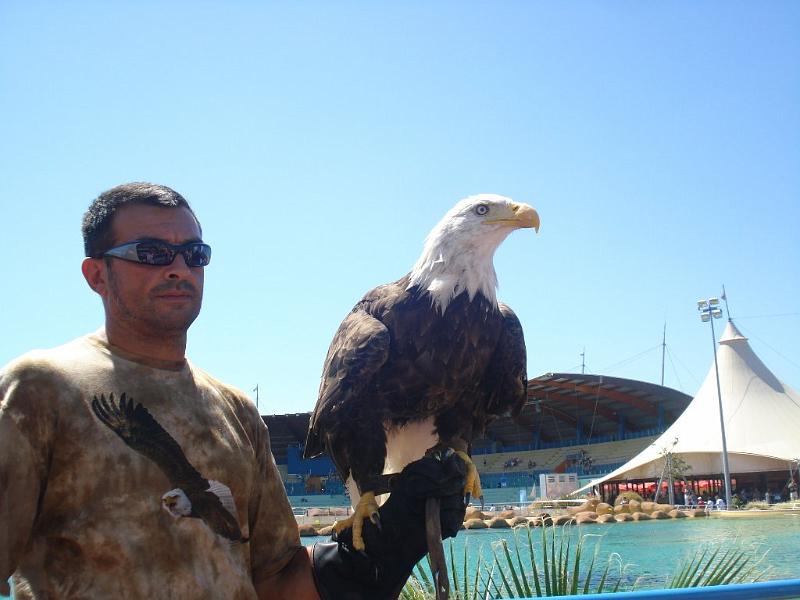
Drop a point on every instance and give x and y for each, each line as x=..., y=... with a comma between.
x=653, y=549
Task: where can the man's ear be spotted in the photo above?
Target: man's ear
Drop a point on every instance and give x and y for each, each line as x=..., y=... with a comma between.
x=95, y=272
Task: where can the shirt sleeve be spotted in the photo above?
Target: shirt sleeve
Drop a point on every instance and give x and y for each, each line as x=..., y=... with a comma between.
x=27, y=428
x=274, y=537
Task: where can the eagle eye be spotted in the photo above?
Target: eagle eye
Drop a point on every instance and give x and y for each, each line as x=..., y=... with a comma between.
x=481, y=210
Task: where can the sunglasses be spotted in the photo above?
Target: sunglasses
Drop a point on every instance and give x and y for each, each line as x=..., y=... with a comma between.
x=161, y=254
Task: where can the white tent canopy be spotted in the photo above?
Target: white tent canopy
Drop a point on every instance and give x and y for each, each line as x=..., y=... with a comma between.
x=762, y=421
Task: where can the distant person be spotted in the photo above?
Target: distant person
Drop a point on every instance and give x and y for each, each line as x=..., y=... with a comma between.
x=719, y=503
x=129, y=472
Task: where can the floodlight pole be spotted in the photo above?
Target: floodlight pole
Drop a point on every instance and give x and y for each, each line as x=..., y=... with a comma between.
x=726, y=472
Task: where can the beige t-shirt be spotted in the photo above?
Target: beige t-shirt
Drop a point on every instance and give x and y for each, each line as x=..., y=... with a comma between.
x=81, y=511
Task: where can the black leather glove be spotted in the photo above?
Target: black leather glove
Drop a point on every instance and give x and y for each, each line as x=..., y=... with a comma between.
x=343, y=573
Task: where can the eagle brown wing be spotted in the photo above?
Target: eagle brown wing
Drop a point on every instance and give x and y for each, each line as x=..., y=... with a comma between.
x=139, y=430
x=506, y=379
x=358, y=350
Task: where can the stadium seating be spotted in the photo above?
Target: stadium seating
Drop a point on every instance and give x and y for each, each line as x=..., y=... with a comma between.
x=502, y=474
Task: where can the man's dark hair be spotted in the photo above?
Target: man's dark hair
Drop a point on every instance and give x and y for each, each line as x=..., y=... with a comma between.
x=96, y=224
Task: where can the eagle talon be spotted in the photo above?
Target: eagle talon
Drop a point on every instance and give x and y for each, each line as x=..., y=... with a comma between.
x=472, y=483
x=366, y=508
x=376, y=520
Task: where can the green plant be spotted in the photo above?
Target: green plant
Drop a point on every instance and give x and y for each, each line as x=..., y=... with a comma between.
x=557, y=568
x=761, y=505
x=707, y=567
x=757, y=504
x=783, y=505
x=518, y=573
x=679, y=468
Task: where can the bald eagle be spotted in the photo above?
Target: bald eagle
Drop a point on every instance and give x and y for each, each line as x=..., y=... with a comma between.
x=427, y=360
x=193, y=495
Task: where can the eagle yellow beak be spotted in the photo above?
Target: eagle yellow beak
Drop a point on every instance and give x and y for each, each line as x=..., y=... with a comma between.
x=521, y=216
x=170, y=501
x=526, y=216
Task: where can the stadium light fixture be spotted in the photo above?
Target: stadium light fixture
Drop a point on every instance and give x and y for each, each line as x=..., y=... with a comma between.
x=709, y=312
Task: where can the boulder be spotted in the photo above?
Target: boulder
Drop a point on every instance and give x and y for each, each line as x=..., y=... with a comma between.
x=563, y=519
x=635, y=506
x=475, y=524
x=603, y=508
x=697, y=512
x=327, y=530
x=543, y=519
x=648, y=507
x=664, y=507
x=640, y=516
x=307, y=530
x=621, y=509
x=586, y=517
x=606, y=518
x=628, y=496
x=474, y=513
x=498, y=523
x=587, y=506
x=677, y=514
x=623, y=517
x=507, y=514
x=659, y=514
x=519, y=522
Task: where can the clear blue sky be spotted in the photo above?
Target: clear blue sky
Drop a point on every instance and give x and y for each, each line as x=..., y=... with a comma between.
x=320, y=141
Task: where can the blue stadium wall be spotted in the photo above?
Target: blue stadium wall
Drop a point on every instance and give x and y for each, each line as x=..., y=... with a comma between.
x=297, y=465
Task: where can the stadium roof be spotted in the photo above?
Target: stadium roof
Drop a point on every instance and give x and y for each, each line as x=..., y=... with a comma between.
x=558, y=406
x=286, y=430
x=561, y=404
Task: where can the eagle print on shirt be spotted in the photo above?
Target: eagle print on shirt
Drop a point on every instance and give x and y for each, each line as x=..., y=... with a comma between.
x=192, y=494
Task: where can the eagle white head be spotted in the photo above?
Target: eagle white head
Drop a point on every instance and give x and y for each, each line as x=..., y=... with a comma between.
x=458, y=253
x=176, y=503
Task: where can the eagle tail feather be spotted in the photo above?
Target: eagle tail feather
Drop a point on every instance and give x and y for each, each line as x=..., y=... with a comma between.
x=223, y=492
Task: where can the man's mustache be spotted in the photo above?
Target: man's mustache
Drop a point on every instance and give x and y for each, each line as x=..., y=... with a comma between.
x=181, y=286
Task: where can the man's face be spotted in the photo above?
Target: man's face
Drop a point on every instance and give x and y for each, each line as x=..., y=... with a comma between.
x=151, y=300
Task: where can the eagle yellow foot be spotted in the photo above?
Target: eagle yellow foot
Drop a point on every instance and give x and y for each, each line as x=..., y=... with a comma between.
x=366, y=508
x=472, y=483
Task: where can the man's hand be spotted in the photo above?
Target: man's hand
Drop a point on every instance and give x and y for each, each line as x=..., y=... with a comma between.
x=380, y=572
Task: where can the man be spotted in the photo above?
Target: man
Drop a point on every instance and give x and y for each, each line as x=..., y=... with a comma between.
x=128, y=472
